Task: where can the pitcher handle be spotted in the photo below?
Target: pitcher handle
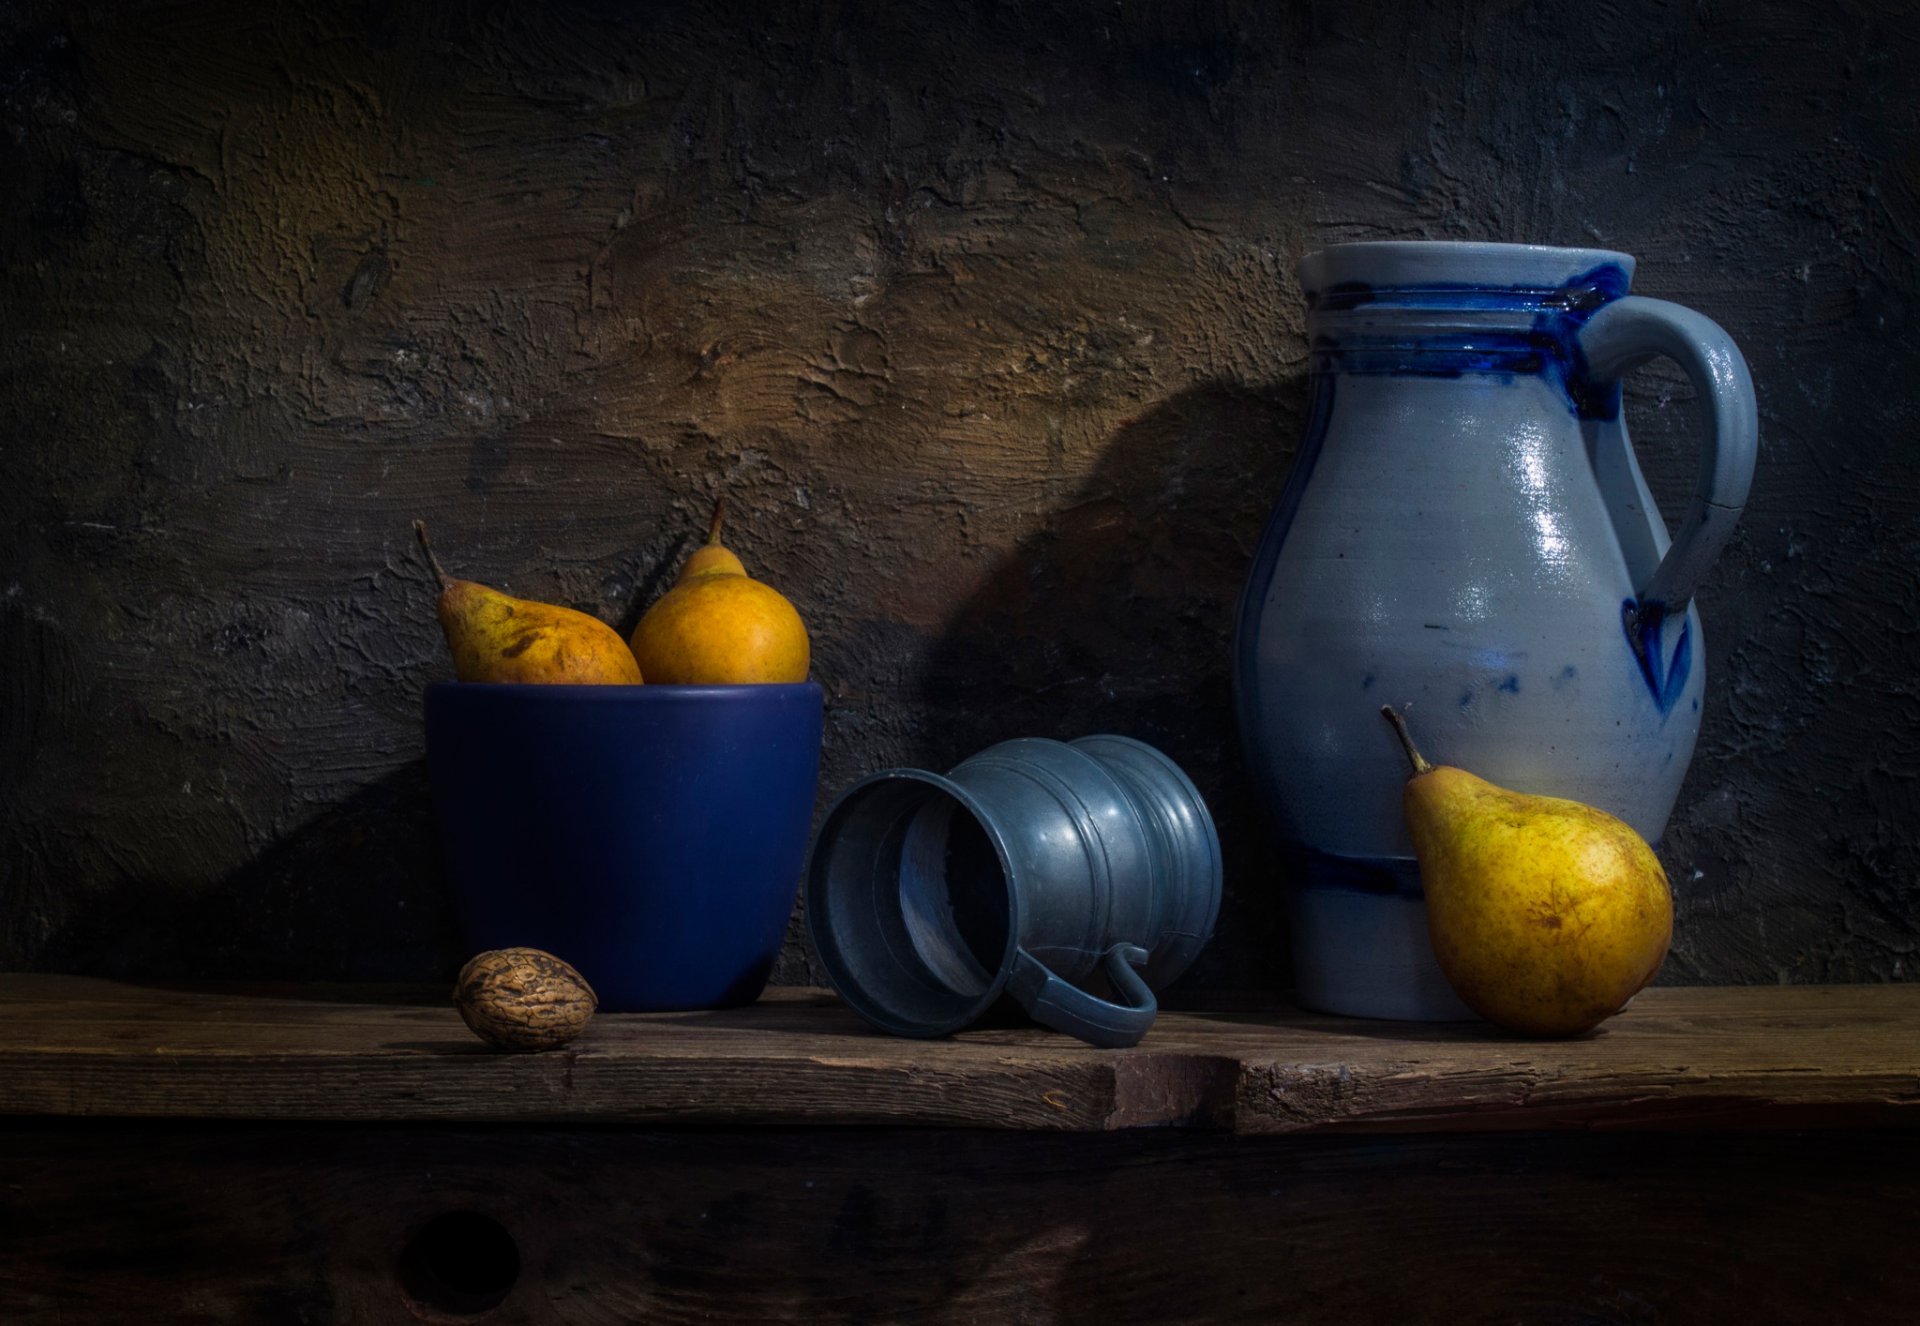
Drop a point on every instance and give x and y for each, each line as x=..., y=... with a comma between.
x=1055, y=1003
x=1635, y=328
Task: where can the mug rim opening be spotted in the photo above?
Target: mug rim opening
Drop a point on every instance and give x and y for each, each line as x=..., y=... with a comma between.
x=825, y=931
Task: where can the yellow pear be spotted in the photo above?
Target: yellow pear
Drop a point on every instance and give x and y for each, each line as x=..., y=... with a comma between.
x=719, y=626
x=496, y=637
x=1546, y=915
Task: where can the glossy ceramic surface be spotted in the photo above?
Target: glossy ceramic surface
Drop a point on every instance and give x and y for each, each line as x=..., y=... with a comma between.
x=1035, y=869
x=1465, y=533
x=653, y=836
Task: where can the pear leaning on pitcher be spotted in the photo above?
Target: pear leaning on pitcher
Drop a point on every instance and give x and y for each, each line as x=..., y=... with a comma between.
x=1546, y=915
x=498, y=638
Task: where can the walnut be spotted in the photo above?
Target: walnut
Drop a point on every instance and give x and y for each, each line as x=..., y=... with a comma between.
x=523, y=999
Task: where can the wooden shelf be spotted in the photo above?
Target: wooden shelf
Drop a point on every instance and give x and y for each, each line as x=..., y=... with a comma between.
x=1803, y=1056
x=1004, y=1174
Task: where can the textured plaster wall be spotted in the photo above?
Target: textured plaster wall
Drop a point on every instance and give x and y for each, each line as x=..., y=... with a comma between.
x=982, y=315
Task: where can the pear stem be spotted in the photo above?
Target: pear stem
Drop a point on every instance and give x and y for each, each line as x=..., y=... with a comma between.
x=713, y=527
x=1414, y=757
x=439, y=571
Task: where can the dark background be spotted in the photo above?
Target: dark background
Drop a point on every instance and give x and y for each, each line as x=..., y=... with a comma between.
x=983, y=317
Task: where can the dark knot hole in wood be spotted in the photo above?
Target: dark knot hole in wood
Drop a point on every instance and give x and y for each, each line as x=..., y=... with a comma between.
x=457, y=1265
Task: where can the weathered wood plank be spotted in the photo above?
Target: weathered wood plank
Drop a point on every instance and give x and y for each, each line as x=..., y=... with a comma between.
x=1795, y=1056
x=1799, y=1056
x=88, y=1048
x=261, y=1223
x=1679, y=1058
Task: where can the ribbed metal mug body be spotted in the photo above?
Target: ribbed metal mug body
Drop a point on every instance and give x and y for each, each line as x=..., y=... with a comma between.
x=1036, y=868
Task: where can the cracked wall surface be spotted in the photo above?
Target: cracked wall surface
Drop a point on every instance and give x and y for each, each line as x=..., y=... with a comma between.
x=982, y=316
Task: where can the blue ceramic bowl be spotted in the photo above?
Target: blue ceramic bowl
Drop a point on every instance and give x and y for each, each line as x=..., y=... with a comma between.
x=652, y=836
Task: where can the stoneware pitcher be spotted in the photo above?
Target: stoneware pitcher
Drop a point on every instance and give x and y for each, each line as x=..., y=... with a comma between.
x=1465, y=534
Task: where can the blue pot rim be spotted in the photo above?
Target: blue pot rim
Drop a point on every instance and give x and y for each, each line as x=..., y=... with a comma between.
x=646, y=693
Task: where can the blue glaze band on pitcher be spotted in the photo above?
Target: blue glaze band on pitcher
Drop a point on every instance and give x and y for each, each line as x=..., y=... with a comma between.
x=1465, y=535
x=1666, y=681
x=1549, y=344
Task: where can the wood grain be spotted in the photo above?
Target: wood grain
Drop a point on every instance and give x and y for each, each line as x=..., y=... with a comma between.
x=255, y=1223
x=1680, y=1057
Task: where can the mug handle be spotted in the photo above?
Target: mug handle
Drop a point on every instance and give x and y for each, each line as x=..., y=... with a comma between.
x=1055, y=1003
x=1635, y=328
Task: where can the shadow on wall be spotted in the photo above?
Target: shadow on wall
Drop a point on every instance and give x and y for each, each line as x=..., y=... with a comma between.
x=356, y=894
x=1119, y=617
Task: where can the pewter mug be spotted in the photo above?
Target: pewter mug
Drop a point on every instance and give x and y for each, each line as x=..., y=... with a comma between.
x=1465, y=532
x=1033, y=869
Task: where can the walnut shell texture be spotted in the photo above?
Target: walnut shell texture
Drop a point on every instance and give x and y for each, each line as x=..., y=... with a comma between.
x=523, y=999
